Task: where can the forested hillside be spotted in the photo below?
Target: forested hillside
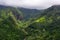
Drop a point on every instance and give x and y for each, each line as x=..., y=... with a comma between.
x=22, y=13
x=45, y=25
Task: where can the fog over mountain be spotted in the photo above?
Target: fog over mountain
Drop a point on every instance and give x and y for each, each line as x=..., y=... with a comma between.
x=33, y=4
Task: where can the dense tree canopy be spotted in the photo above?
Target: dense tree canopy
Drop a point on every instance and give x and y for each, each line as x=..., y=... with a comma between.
x=46, y=27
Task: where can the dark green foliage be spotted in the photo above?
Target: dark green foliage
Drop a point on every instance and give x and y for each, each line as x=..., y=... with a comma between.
x=46, y=27
x=8, y=27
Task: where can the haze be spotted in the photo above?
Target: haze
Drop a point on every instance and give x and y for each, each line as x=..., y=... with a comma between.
x=32, y=4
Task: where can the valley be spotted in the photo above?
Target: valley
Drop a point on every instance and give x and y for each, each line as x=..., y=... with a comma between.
x=29, y=24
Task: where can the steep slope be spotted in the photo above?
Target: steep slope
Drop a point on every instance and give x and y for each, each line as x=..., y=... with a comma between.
x=47, y=27
x=11, y=25
x=22, y=13
x=15, y=11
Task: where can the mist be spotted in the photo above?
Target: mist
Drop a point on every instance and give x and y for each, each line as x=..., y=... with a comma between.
x=32, y=4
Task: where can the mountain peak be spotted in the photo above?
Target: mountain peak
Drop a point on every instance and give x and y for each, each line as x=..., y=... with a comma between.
x=56, y=6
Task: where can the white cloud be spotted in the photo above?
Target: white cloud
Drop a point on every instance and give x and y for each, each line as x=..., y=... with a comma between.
x=56, y=2
x=35, y=4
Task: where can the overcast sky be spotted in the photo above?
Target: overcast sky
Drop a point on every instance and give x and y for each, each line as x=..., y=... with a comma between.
x=34, y=4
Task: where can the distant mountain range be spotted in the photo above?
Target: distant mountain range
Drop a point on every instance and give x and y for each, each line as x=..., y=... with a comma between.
x=26, y=14
x=30, y=13
x=22, y=13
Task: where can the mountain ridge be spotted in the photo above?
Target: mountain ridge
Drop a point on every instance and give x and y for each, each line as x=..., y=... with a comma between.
x=25, y=13
x=44, y=27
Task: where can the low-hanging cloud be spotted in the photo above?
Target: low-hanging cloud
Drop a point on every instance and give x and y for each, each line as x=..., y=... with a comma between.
x=33, y=4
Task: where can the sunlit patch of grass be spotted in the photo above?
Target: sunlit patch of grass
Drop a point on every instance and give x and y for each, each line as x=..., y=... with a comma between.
x=42, y=19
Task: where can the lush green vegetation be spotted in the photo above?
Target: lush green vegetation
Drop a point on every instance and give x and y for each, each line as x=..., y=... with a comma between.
x=13, y=27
